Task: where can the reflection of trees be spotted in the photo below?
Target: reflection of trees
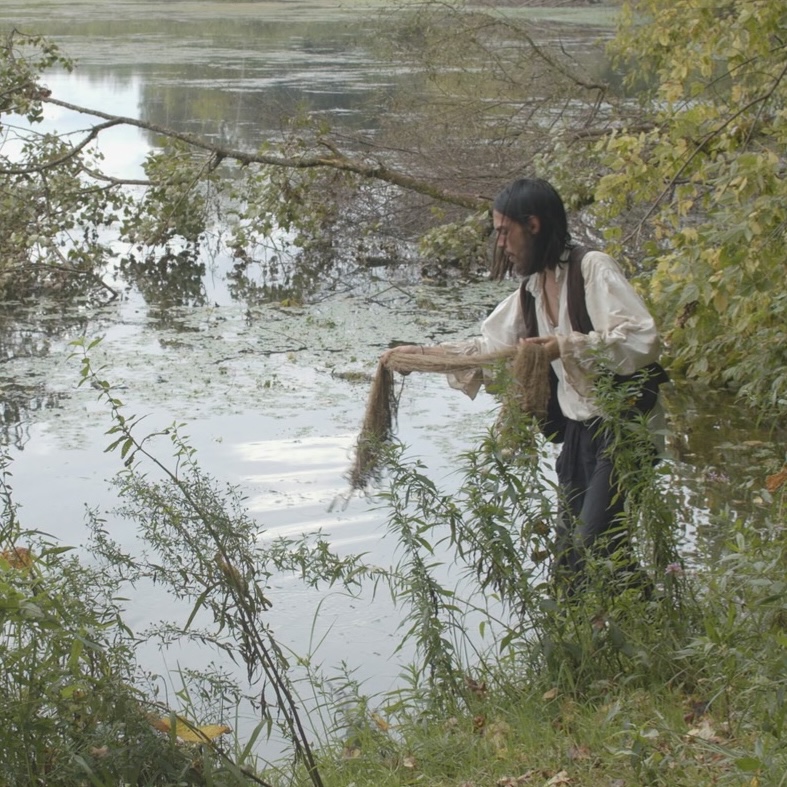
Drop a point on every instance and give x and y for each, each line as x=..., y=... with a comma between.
x=18, y=404
x=29, y=333
x=167, y=278
x=248, y=80
x=286, y=278
x=245, y=105
x=232, y=97
x=245, y=118
x=248, y=77
x=719, y=452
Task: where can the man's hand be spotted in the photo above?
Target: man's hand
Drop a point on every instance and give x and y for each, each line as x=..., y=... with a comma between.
x=549, y=343
x=403, y=348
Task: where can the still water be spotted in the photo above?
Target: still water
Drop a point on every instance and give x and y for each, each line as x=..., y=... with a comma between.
x=268, y=393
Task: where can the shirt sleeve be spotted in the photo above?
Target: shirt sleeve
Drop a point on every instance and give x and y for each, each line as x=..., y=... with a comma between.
x=501, y=330
x=624, y=334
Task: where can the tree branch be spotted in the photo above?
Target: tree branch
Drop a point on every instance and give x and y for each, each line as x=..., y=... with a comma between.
x=375, y=170
x=56, y=162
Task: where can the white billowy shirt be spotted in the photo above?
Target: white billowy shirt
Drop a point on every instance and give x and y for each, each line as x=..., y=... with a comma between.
x=624, y=332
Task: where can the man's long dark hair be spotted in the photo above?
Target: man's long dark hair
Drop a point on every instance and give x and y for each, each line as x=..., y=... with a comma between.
x=535, y=197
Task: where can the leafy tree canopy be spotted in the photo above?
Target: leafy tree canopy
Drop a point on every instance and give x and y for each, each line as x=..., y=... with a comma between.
x=704, y=189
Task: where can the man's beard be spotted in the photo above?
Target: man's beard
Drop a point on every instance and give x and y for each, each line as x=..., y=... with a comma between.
x=526, y=262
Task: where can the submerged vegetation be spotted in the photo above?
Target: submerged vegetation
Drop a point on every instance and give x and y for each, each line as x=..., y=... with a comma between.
x=511, y=682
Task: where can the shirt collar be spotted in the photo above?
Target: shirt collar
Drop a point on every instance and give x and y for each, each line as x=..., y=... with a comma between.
x=533, y=283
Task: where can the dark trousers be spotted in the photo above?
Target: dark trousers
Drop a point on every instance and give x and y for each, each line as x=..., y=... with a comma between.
x=591, y=502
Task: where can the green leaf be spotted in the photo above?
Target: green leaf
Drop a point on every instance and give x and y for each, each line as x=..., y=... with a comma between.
x=748, y=764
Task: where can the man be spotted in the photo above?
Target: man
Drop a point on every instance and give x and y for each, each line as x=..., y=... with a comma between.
x=532, y=232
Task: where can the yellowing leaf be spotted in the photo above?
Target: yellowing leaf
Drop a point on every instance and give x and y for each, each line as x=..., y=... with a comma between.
x=721, y=302
x=17, y=557
x=201, y=734
x=517, y=781
x=381, y=722
x=189, y=733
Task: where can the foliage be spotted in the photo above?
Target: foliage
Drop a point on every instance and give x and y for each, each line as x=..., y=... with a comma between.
x=706, y=183
x=663, y=684
x=49, y=239
x=71, y=711
x=501, y=525
x=312, y=188
x=679, y=686
x=685, y=179
x=208, y=552
x=463, y=242
x=511, y=678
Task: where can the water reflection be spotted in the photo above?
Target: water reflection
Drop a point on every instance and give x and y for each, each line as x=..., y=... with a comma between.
x=20, y=405
x=722, y=457
x=231, y=75
x=29, y=332
x=166, y=279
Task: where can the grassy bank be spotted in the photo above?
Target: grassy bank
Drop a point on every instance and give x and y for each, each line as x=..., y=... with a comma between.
x=680, y=682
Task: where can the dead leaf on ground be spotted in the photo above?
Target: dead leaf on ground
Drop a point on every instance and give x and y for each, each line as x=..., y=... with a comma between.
x=517, y=781
x=548, y=696
x=559, y=778
x=578, y=753
x=704, y=732
x=497, y=733
x=773, y=482
x=409, y=762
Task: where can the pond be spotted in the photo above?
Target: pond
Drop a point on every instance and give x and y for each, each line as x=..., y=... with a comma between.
x=272, y=395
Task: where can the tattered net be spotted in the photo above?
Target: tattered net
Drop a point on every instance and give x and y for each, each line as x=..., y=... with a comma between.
x=529, y=372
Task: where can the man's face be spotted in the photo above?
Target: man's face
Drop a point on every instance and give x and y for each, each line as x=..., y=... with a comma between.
x=516, y=241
